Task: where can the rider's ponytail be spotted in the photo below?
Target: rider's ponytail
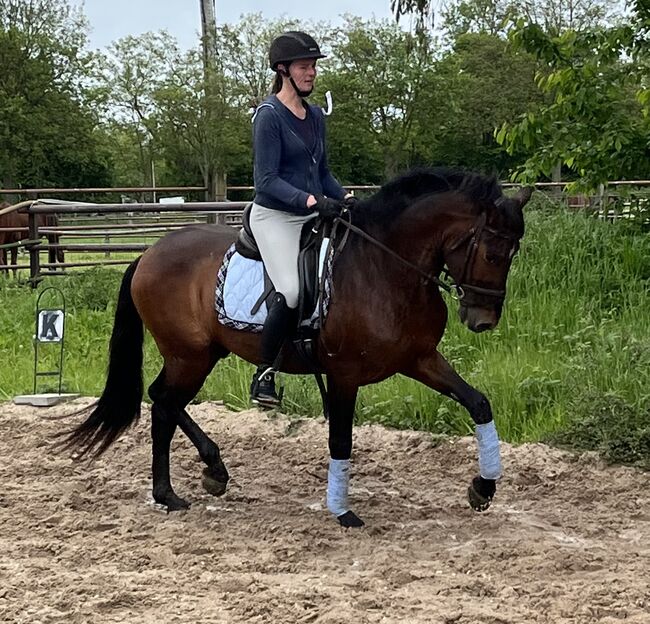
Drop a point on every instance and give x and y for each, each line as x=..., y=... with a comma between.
x=277, y=83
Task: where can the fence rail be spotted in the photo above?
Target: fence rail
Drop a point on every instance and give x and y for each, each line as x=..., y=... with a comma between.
x=97, y=224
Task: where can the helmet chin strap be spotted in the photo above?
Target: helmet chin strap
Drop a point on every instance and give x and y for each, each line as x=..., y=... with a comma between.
x=299, y=91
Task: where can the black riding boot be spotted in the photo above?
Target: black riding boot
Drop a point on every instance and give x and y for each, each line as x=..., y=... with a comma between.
x=277, y=328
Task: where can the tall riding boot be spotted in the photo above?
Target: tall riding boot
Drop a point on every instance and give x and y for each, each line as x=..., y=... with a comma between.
x=277, y=328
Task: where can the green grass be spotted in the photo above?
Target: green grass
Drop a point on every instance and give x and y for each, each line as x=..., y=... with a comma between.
x=570, y=357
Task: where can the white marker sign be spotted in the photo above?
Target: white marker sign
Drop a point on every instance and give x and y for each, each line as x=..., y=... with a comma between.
x=50, y=326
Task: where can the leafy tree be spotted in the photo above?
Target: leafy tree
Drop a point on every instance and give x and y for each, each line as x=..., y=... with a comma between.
x=557, y=16
x=48, y=130
x=377, y=73
x=487, y=16
x=243, y=50
x=484, y=84
x=596, y=121
x=186, y=121
x=206, y=130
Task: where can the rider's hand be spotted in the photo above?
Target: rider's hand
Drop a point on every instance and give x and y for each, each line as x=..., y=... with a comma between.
x=350, y=201
x=327, y=207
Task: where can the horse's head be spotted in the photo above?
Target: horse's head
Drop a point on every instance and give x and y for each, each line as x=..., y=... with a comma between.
x=479, y=258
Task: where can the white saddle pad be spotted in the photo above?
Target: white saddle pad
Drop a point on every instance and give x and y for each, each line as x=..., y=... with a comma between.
x=240, y=284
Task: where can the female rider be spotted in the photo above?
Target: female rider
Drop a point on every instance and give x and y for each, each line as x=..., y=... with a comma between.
x=293, y=185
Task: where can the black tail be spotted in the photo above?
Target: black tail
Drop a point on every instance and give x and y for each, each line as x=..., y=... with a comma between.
x=119, y=405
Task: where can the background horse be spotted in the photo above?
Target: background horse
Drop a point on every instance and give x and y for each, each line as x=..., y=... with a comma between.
x=21, y=220
x=386, y=316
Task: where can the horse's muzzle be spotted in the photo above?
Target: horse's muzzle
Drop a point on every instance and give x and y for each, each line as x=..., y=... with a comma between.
x=478, y=319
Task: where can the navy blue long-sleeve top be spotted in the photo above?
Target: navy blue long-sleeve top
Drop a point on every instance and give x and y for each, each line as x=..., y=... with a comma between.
x=286, y=170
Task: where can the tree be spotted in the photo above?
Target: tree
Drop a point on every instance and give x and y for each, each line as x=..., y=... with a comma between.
x=558, y=16
x=186, y=120
x=488, y=16
x=48, y=131
x=128, y=75
x=596, y=121
x=484, y=84
x=203, y=129
x=243, y=50
x=377, y=73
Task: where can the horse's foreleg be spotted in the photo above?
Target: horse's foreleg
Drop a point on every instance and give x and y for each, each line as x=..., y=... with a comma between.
x=14, y=260
x=341, y=402
x=435, y=372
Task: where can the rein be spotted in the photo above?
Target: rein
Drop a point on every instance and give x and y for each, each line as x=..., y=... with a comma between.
x=427, y=276
x=460, y=288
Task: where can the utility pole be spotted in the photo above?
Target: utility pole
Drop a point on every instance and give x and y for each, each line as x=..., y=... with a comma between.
x=209, y=38
x=215, y=180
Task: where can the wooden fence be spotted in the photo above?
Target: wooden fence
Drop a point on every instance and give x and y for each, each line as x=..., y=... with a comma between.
x=110, y=234
x=141, y=221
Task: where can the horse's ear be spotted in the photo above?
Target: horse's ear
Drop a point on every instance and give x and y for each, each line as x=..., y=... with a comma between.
x=523, y=195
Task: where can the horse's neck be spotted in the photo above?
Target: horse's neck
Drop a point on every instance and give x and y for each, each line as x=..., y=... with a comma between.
x=418, y=235
x=371, y=269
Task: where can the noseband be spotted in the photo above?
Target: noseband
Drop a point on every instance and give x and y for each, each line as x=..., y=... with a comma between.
x=462, y=288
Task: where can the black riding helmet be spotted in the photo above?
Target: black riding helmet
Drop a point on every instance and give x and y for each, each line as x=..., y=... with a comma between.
x=291, y=46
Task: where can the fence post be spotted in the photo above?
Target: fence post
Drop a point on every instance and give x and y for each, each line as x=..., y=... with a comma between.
x=220, y=193
x=34, y=252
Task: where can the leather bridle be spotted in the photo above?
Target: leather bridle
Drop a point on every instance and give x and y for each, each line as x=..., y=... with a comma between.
x=474, y=237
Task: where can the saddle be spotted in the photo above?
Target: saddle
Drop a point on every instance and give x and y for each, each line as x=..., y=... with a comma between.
x=311, y=240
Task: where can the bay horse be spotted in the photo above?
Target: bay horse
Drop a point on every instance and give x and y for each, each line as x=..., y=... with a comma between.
x=21, y=220
x=386, y=316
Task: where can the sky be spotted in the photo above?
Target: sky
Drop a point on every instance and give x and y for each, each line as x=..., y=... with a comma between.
x=112, y=19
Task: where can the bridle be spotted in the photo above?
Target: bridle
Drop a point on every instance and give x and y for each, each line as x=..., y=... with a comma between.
x=474, y=236
x=461, y=288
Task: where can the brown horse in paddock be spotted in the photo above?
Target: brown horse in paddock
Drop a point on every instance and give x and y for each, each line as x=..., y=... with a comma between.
x=386, y=316
x=21, y=220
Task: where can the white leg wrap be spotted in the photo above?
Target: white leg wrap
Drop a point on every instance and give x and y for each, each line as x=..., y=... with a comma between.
x=338, y=482
x=489, y=454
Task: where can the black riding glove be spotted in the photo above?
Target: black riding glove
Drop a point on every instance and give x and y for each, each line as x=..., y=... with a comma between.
x=327, y=207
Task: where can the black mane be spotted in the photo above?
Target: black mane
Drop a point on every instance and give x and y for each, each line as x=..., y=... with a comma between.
x=395, y=196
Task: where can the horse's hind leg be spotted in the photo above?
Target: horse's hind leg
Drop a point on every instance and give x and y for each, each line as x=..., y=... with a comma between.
x=435, y=372
x=340, y=404
x=163, y=426
x=171, y=392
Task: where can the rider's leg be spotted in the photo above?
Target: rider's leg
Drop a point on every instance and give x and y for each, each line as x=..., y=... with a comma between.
x=277, y=234
x=277, y=329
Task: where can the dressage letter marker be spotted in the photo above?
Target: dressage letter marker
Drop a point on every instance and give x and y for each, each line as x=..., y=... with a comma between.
x=50, y=326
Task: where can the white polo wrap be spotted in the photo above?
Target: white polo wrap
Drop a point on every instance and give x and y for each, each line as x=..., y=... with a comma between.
x=489, y=454
x=338, y=483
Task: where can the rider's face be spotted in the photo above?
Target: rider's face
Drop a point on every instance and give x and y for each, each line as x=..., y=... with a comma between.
x=303, y=72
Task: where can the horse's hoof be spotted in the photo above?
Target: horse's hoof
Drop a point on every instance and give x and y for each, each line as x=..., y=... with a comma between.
x=172, y=502
x=350, y=520
x=480, y=493
x=212, y=484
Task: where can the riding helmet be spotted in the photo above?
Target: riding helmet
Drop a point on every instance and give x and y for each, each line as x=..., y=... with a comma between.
x=291, y=46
